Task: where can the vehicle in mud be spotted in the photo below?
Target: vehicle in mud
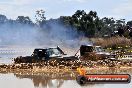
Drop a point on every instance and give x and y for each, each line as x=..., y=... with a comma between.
x=46, y=54
x=87, y=52
x=91, y=52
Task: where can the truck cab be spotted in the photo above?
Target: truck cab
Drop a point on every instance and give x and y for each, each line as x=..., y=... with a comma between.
x=91, y=52
x=47, y=53
x=43, y=54
x=90, y=48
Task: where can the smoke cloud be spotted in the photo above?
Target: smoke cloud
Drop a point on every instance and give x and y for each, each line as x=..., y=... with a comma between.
x=50, y=34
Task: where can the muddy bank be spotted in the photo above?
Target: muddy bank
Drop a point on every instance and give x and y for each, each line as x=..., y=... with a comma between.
x=92, y=67
x=44, y=75
x=68, y=64
x=67, y=74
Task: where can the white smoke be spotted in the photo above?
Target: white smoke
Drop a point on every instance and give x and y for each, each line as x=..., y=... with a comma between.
x=54, y=35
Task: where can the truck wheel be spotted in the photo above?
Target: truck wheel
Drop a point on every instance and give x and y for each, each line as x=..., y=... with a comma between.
x=81, y=80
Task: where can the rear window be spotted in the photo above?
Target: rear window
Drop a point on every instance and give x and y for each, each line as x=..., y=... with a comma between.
x=87, y=48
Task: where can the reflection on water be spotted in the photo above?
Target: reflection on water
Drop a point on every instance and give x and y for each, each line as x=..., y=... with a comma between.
x=38, y=81
x=53, y=80
x=41, y=81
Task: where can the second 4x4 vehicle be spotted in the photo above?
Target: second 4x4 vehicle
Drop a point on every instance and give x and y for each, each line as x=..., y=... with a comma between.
x=90, y=52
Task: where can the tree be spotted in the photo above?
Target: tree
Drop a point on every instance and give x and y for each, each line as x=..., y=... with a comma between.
x=24, y=20
x=87, y=23
x=120, y=31
x=120, y=22
x=91, y=23
x=130, y=34
x=129, y=23
x=3, y=18
x=108, y=26
x=40, y=18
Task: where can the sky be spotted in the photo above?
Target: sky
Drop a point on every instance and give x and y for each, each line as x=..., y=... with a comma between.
x=119, y=9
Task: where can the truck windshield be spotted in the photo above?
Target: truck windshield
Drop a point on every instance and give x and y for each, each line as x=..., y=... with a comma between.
x=54, y=51
x=99, y=49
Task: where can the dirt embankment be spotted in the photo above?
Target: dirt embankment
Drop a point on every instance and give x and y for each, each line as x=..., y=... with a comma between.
x=64, y=67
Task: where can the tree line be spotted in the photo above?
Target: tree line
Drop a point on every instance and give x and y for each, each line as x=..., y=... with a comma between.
x=90, y=24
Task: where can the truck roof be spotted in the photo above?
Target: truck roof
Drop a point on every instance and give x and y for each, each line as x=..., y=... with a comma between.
x=46, y=48
x=91, y=45
x=86, y=45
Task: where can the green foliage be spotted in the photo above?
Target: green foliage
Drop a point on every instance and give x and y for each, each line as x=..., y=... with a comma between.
x=82, y=21
x=24, y=20
x=40, y=17
x=93, y=26
x=129, y=23
x=3, y=18
x=88, y=23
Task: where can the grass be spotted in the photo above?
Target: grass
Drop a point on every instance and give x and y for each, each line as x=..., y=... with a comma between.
x=112, y=42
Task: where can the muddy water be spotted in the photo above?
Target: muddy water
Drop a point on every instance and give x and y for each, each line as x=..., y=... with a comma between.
x=40, y=81
x=49, y=80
